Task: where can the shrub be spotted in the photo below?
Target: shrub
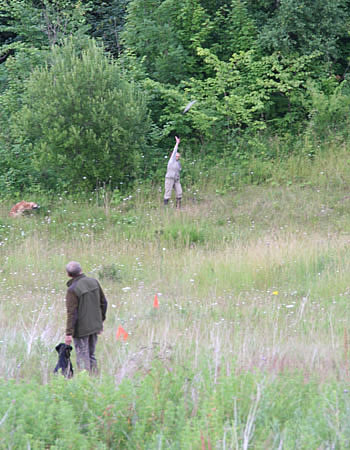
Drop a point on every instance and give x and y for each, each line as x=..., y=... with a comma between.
x=82, y=123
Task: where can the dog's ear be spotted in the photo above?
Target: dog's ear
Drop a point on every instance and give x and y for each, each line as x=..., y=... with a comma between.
x=58, y=347
x=70, y=348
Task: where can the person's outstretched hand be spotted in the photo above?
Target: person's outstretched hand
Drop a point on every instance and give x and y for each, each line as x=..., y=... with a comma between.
x=177, y=139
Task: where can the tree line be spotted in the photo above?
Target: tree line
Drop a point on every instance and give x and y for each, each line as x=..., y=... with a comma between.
x=92, y=92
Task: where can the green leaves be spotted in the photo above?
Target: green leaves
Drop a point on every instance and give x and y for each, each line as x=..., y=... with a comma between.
x=248, y=64
x=164, y=35
x=45, y=22
x=247, y=91
x=306, y=26
x=84, y=122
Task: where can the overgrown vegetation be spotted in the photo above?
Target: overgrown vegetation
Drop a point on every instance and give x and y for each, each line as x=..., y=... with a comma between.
x=175, y=408
x=249, y=345
x=267, y=86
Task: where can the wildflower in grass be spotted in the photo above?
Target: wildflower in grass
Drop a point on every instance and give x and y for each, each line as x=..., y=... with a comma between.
x=275, y=293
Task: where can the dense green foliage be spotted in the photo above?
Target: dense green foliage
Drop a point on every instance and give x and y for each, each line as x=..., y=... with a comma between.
x=82, y=123
x=175, y=408
x=256, y=68
x=250, y=346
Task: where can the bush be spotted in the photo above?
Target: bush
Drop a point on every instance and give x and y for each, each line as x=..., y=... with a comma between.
x=82, y=123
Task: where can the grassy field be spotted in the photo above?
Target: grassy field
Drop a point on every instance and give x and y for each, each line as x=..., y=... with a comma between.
x=249, y=347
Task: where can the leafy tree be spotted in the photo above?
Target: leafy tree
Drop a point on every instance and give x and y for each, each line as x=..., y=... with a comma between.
x=107, y=19
x=27, y=26
x=261, y=10
x=164, y=35
x=20, y=22
x=43, y=22
x=306, y=26
x=212, y=6
x=82, y=123
x=244, y=91
x=149, y=36
x=233, y=30
x=329, y=111
x=15, y=166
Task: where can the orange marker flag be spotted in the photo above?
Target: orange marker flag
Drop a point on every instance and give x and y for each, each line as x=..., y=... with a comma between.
x=156, y=303
x=121, y=333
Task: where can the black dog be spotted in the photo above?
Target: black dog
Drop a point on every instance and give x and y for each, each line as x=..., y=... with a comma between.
x=64, y=362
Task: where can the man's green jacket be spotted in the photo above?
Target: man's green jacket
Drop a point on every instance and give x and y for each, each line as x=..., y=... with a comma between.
x=86, y=306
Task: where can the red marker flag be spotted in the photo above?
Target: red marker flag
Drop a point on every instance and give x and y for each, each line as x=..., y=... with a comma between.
x=121, y=333
x=156, y=303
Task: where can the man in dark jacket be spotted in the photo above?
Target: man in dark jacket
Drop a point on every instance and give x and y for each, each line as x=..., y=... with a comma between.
x=86, y=310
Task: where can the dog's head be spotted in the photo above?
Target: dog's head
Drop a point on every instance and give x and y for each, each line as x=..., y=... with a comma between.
x=64, y=349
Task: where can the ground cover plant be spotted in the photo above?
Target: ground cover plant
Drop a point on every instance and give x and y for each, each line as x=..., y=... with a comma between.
x=249, y=347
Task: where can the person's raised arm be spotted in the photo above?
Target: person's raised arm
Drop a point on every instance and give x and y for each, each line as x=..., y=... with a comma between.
x=173, y=155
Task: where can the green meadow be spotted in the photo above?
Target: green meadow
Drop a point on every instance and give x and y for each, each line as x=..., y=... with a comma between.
x=249, y=347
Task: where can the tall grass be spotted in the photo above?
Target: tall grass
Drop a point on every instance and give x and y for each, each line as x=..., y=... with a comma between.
x=220, y=267
x=254, y=281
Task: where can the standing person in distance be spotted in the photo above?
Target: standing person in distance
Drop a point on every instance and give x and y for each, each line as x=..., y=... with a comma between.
x=172, y=177
x=86, y=310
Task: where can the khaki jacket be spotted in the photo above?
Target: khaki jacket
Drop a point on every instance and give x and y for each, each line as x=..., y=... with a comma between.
x=174, y=166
